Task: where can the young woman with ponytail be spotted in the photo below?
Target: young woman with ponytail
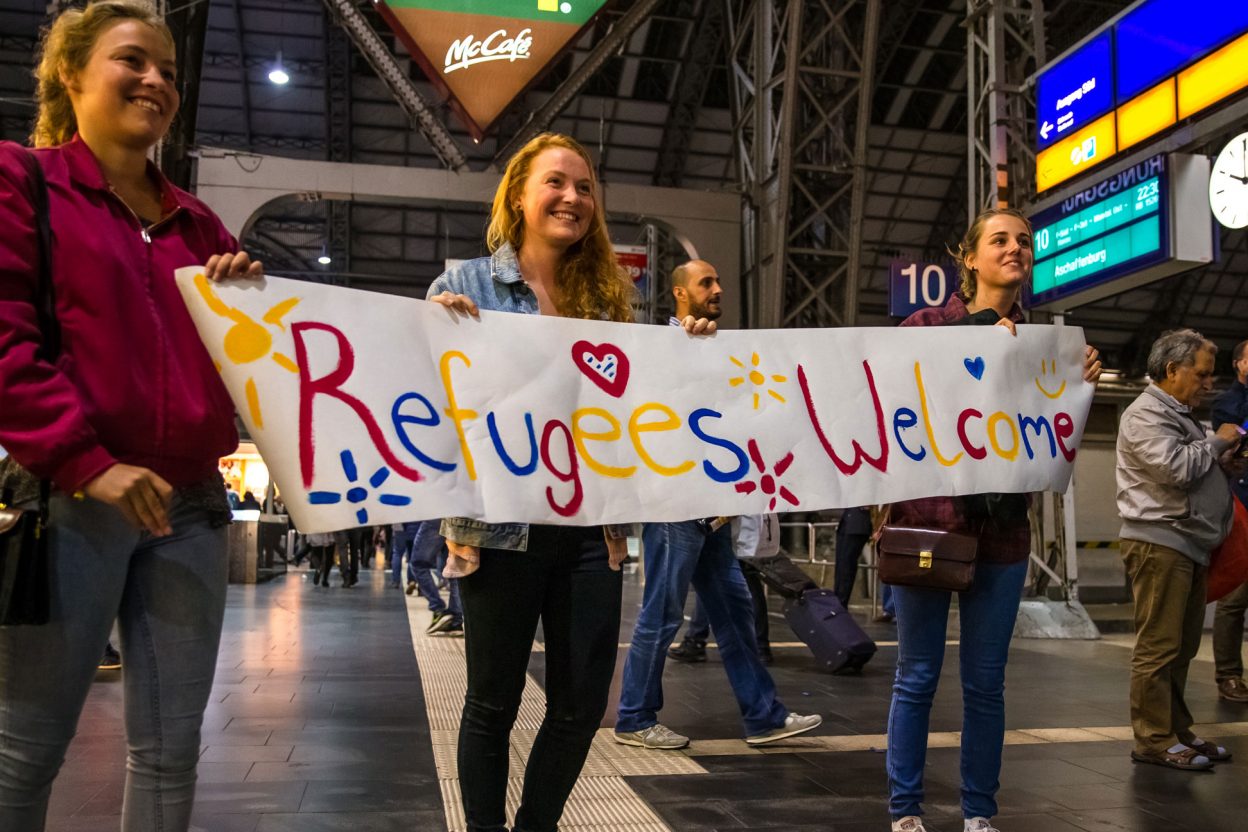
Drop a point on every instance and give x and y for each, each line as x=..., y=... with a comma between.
x=126, y=423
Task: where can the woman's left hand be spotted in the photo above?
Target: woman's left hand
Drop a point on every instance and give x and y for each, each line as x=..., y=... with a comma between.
x=698, y=326
x=1091, y=364
x=617, y=551
x=238, y=266
x=1008, y=324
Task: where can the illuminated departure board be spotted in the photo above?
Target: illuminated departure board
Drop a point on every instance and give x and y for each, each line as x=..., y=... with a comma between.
x=1142, y=224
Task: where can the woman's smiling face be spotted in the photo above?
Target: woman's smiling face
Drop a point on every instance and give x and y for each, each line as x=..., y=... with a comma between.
x=126, y=92
x=558, y=198
x=1003, y=257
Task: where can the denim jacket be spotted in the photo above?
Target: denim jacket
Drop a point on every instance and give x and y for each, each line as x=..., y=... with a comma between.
x=494, y=284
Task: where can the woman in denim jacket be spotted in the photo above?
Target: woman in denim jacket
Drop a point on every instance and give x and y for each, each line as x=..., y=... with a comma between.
x=551, y=256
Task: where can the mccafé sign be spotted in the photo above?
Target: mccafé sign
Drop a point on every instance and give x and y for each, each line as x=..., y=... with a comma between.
x=484, y=53
x=497, y=47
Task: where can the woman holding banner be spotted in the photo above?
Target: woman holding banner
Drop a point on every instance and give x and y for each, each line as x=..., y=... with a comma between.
x=551, y=256
x=995, y=259
x=112, y=399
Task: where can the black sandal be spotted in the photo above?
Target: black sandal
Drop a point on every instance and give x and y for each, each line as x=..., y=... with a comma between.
x=1183, y=760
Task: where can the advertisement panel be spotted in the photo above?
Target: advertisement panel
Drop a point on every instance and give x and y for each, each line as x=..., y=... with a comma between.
x=484, y=53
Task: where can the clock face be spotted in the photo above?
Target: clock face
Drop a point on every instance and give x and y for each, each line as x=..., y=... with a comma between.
x=1228, y=184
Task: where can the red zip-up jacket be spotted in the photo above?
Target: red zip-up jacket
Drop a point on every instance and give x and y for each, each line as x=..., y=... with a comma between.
x=134, y=383
x=1000, y=540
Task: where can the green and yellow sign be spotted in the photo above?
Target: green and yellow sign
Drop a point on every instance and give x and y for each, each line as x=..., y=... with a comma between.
x=484, y=53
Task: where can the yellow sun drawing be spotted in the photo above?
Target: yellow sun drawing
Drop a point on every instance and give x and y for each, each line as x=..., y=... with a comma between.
x=247, y=340
x=756, y=378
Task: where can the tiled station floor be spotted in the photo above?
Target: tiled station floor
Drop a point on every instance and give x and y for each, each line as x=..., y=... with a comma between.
x=333, y=711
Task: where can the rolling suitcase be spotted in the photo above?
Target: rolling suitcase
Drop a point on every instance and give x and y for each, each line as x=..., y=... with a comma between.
x=819, y=619
x=783, y=575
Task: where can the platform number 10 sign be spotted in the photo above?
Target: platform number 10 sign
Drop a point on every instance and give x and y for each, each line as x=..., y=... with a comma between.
x=915, y=285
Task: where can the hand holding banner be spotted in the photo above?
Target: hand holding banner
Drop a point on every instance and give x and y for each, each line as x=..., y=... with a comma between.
x=375, y=409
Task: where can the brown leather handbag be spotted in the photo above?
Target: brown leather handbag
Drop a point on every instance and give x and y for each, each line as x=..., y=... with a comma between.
x=928, y=558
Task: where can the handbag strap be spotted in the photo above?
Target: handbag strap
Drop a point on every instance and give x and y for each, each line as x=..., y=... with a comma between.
x=45, y=301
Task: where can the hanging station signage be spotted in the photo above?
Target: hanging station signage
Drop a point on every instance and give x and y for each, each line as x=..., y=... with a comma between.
x=1140, y=225
x=1157, y=63
x=484, y=53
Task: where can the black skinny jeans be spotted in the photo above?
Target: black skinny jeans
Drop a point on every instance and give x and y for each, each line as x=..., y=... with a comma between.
x=565, y=581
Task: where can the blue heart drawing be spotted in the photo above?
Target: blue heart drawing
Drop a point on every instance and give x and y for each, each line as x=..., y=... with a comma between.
x=975, y=366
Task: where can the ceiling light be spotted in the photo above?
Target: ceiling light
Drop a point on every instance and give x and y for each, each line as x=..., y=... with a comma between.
x=278, y=74
x=324, y=260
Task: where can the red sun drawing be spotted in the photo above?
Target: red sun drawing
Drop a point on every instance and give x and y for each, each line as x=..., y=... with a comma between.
x=768, y=482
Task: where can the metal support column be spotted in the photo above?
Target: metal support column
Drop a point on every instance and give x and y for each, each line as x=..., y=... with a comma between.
x=338, y=141
x=189, y=25
x=1004, y=45
x=802, y=81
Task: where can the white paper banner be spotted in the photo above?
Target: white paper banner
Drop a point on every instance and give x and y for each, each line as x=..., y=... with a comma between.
x=374, y=409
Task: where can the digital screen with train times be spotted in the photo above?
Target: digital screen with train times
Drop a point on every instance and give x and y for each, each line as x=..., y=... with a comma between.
x=1111, y=228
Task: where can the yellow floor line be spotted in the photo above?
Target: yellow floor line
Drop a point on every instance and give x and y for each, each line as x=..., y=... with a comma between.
x=945, y=739
x=602, y=800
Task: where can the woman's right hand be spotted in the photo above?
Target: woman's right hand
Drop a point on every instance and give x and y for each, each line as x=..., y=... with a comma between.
x=462, y=304
x=142, y=496
x=1008, y=324
x=463, y=560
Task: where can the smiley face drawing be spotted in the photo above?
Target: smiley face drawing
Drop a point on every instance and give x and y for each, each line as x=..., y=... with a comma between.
x=1048, y=368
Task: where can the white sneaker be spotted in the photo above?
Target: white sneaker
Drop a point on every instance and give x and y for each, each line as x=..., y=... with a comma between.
x=794, y=724
x=657, y=736
x=978, y=825
x=910, y=823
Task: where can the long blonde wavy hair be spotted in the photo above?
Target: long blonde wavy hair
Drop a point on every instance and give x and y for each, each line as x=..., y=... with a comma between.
x=65, y=50
x=591, y=283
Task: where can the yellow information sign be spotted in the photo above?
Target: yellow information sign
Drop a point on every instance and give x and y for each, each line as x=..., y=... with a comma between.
x=1075, y=154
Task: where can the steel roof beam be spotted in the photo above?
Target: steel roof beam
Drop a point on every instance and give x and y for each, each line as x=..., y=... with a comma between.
x=392, y=75
x=607, y=48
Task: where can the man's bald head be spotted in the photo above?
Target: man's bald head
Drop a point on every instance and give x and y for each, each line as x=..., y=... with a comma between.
x=695, y=285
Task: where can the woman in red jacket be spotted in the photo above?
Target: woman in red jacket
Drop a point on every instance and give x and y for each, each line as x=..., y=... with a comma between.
x=127, y=423
x=995, y=260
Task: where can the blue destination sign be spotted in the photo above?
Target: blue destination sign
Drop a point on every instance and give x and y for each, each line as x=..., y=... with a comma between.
x=1160, y=37
x=1112, y=228
x=1075, y=91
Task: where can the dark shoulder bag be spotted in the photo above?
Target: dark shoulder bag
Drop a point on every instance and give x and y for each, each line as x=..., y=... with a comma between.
x=929, y=558
x=25, y=591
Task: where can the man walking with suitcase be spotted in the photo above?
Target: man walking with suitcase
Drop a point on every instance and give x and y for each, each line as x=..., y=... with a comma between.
x=698, y=553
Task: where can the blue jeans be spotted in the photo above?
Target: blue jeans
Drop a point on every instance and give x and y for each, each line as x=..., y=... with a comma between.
x=427, y=548
x=168, y=595
x=678, y=554
x=887, y=603
x=699, y=628
x=987, y=612
x=400, y=546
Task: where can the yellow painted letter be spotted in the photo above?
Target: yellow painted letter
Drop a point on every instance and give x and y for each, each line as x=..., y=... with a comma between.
x=927, y=421
x=1000, y=416
x=453, y=411
x=636, y=428
x=580, y=436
